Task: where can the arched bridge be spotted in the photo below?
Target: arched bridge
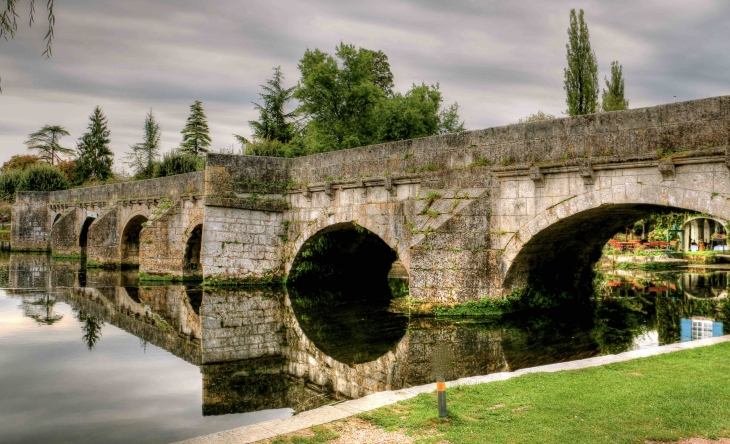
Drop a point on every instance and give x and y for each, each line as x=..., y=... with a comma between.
x=469, y=215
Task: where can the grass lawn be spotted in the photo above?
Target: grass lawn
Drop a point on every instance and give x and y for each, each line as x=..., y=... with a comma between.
x=664, y=398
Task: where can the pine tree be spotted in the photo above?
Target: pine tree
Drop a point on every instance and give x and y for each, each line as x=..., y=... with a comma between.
x=145, y=154
x=95, y=159
x=195, y=134
x=581, y=75
x=613, y=97
x=46, y=140
x=274, y=123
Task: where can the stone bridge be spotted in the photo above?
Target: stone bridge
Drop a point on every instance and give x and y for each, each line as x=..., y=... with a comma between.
x=471, y=214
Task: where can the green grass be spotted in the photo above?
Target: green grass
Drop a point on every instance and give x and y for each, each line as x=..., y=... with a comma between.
x=321, y=435
x=678, y=395
x=4, y=230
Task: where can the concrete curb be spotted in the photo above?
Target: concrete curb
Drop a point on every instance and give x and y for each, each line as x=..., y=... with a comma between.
x=322, y=415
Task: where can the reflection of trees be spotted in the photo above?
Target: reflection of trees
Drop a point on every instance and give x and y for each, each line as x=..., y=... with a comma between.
x=41, y=310
x=91, y=326
x=619, y=321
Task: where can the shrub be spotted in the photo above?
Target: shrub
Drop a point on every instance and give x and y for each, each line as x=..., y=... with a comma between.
x=42, y=178
x=179, y=163
x=9, y=182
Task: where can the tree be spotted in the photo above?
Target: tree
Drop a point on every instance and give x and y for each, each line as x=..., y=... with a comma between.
x=42, y=177
x=195, y=134
x=410, y=115
x=178, y=162
x=9, y=23
x=95, y=159
x=613, y=98
x=338, y=96
x=145, y=154
x=581, y=75
x=539, y=116
x=274, y=123
x=449, y=118
x=20, y=162
x=46, y=141
x=9, y=182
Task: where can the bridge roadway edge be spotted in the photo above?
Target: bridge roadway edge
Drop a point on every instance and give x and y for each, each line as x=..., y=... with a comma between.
x=329, y=413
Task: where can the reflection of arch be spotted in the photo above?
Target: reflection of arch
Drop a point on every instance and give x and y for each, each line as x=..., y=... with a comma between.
x=130, y=240
x=84, y=234
x=191, y=261
x=340, y=252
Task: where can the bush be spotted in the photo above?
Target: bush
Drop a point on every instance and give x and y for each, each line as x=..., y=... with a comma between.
x=42, y=178
x=179, y=163
x=9, y=182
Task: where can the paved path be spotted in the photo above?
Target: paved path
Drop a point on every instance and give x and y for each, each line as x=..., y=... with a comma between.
x=322, y=415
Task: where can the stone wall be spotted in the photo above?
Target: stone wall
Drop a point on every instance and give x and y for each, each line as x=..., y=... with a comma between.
x=31, y=224
x=241, y=325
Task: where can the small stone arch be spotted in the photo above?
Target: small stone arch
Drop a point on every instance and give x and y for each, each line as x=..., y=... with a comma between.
x=55, y=219
x=391, y=235
x=690, y=234
x=83, y=239
x=130, y=239
x=192, y=264
x=362, y=237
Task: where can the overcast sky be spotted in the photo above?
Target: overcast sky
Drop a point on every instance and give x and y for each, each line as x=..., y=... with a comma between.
x=499, y=60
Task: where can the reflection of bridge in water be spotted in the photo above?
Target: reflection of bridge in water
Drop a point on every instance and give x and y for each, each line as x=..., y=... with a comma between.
x=252, y=352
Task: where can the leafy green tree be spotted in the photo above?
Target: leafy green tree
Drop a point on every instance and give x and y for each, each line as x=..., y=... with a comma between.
x=380, y=71
x=179, y=162
x=46, y=141
x=9, y=182
x=274, y=123
x=20, y=162
x=410, y=115
x=95, y=159
x=196, y=139
x=9, y=23
x=338, y=96
x=42, y=177
x=581, y=75
x=613, y=98
x=450, y=120
x=145, y=154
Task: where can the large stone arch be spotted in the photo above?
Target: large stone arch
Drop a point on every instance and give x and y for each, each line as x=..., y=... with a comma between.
x=600, y=210
x=131, y=237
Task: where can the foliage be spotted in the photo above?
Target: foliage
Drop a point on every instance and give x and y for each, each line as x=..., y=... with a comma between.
x=145, y=154
x=320, y=434
x=9, y=23
x=274, y=123
x=20, y=162
x=196, y=138
x=95, y=159
x=263, y=147
x=178, y=162
x=46, y=141
x=449, y=120
x=42, y=178
x=613, y=98
x=9, y=182
x=581, y=75
x=570, y=407
x=537, y=117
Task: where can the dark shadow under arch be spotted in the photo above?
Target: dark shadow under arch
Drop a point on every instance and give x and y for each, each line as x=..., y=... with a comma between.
x=192, y=267
x=340, y=255
x=130, y=240
x=561, y=257
x=84, y=234
x=55, y=219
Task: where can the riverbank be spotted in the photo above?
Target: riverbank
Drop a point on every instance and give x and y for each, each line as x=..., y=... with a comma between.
x=664, y=398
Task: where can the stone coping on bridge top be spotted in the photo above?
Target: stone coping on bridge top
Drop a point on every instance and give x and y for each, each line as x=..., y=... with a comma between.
x=329, y=413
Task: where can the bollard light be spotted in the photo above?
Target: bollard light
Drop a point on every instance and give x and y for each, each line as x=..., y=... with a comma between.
x=441, y=390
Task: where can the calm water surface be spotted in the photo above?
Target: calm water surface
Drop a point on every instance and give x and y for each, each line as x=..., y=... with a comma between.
x=93, y=356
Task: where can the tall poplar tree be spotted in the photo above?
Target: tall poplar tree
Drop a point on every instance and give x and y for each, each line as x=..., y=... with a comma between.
x=581, y=75
x=145, y=154
x=95, y=159
x=613, y=98
x=196, y=138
